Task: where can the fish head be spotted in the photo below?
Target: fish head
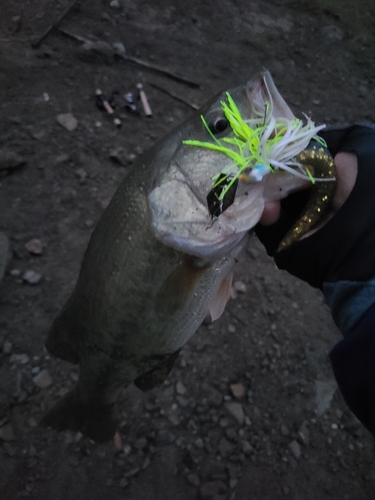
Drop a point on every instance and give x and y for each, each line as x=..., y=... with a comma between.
x=183, y=175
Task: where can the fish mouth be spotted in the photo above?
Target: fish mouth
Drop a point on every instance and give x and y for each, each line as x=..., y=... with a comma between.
x=262, y=89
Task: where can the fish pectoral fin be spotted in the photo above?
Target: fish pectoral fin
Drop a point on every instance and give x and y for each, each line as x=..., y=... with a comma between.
x=221, y=298
x=179, y=286
x=156, y=376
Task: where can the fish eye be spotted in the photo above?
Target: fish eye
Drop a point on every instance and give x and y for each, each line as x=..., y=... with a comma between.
x=219, y=125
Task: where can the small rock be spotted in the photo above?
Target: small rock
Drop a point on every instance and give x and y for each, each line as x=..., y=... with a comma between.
x=332, y=33
x=7, y=347
x=21, y=359
x=239, y=287
x=247, y=448
x=82, y=175
x=32, y=277
x=303, y=433
x=238, y=390
x=96, y=53
x=132, y=472
x=231, y=328
x=286, y=490
x=284, y=430
x=233, y=483
x=7, y=433
x=193, y=479
x=10, y=159
x=15, y=272
x=43, y=379
x=236, y=410
x=32, y=422
x=295, y=449
x=67, y=121
x=119, y=47
x=124, y=482
x=89, y=223
x=34, y=246
x=180, y=388
x=225, y=447
x=118, y=156
x=199, y=443
x=115, y=4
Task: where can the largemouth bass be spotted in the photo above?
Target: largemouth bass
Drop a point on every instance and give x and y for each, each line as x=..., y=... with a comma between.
x=161, y=259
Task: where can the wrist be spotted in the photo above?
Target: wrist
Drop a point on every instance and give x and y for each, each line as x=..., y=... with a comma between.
x=349, y=301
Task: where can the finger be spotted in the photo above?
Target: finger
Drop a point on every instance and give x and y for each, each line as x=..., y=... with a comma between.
x=271, y=213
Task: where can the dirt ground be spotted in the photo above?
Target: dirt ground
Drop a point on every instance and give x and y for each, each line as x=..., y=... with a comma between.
x=251, y=410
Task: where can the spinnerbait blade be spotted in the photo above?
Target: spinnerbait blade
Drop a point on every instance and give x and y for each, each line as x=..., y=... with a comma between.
x=216, y=206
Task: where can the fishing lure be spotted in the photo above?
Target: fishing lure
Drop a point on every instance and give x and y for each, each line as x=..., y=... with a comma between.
x=259, y=146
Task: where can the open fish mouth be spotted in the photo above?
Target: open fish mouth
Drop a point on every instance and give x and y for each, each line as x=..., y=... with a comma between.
x=269, y=139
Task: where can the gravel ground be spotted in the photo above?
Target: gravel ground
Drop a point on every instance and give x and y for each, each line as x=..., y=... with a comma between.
x=251, y=409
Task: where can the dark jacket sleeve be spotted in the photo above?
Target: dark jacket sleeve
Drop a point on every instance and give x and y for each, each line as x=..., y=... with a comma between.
x=353, y=362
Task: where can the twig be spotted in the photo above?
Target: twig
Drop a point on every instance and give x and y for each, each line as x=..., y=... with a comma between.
x=144, y=100
x=39, y=40
x=178, y=98
x=138, y=61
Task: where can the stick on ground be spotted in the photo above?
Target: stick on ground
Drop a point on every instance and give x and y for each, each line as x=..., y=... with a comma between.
x=35, y=44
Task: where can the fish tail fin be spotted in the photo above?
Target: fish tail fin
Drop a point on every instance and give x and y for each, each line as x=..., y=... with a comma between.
x=95, y=421
x=60, y=342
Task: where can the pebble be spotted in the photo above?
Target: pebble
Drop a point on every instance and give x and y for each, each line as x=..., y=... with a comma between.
x=7, y=347
x=193, y=479
x=22, y=359
x=68, y=121
x=225, y=447
x=43, y=379
x=247, y=448
x=10, y=159
x=284, y=430
x=119, y=47
x=34, y=246
x=180, y=388
x=132, y=472
x=240, y=287
x=7, y=433
x=124, y=482
x=295, y=449
x=199, y=443
x=115, y=4
x=32, y=277
x=118, y=156
x=238, y=390
x=236, y=410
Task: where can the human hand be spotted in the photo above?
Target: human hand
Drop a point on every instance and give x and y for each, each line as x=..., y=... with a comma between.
x=342, y=246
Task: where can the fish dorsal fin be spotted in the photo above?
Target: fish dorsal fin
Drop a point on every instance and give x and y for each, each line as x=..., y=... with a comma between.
x=221, y=298
x=179, y=286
